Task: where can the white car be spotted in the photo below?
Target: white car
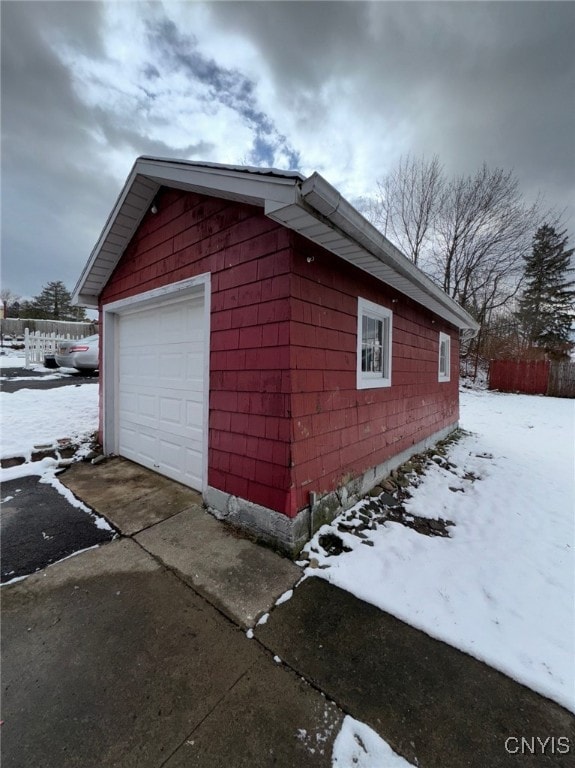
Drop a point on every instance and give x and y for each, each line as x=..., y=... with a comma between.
x=81, y=354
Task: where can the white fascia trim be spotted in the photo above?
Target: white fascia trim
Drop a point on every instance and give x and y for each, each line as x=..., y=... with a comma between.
x=326, y=200
x=220, y=182
x=111, y=313
x=105, y=231
x=224, y=167
x=213, y=180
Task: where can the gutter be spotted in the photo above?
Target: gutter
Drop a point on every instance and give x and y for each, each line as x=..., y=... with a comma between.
x=320, y=196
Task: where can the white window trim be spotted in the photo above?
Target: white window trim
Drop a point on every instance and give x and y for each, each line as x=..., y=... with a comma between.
x=444, y=338
x=373, y=380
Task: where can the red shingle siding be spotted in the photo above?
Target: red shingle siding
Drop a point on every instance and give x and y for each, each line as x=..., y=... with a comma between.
x=340, y=431
x=248, y=256
x=285, y=414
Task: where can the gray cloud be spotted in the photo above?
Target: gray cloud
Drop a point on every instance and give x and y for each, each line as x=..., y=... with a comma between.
x=306, y=43
x=229, y=87
x=472, y=82
x=45, y=131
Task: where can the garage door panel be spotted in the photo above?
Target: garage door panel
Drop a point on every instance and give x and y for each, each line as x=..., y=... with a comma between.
x=194, y=413
x=128, y=437
x=174, y=324
x=138, y=444
x=147, y=406
x=172, y=365
x=126, y=406
x=193, y=462
x=171, y=454
x=140, y=329
x=171, y=410
x=161, y=389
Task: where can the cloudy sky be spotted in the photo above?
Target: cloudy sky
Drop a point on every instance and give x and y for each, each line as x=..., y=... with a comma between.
x=343, y=88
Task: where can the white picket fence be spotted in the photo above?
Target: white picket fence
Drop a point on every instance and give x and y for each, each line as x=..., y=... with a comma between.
x=37, y=344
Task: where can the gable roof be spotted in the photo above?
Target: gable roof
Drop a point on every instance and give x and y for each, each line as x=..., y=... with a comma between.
x=309, y=206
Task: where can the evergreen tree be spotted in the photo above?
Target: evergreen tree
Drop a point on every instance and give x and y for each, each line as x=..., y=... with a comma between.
x=53, y=303
x=547, y=306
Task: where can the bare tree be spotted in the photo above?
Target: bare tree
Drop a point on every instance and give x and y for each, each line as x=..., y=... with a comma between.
x=8, y=299
x=469, y=233
x=407, y=204
x=7, y=296
x=482, y=231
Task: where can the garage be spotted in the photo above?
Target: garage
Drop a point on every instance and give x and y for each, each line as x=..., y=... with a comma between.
x=273, y=271
x=158, y=381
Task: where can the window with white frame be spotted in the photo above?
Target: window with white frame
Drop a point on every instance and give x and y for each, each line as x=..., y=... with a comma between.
x=444, y=357
x=374, y=324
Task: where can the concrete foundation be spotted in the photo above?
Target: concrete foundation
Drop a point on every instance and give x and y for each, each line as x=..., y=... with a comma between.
x=289, y=535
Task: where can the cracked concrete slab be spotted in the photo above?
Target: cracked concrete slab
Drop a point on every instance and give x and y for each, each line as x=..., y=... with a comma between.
x=110, y=660
x=293, y=725
x=434, y=705
x=238, y=576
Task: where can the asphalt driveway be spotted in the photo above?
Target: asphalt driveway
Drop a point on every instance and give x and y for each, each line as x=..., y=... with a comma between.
x=14, y=379
x=38, y=526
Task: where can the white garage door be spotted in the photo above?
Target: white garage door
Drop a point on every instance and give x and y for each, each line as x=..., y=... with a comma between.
x=161, y=389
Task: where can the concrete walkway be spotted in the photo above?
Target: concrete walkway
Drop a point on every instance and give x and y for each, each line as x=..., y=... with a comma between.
x=240, y=578
x=436, y=706
x=135, y=654
x=111, y=660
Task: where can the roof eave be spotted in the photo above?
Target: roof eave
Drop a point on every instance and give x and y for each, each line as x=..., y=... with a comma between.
x=148, y=175
x=325, y=199
x=311, y=207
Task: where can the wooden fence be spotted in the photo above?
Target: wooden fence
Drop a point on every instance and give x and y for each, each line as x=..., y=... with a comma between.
x=37, y=345
x=533, y=377
x=15, y=326
x=561, y=380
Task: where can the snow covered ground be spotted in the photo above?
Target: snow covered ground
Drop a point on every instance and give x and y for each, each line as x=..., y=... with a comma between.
x=32, y=417
x=358, y=746
x=14, y=358
x=502, y=587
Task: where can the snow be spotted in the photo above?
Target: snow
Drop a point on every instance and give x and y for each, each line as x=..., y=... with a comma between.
x=15, y=358
x=44, y=377
x=11, y=358
x=32, y=417
x=29, y=418
x=285, y=597
x=39, y=468
x=359, y=746
x=51, y=479
x=502, y=586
